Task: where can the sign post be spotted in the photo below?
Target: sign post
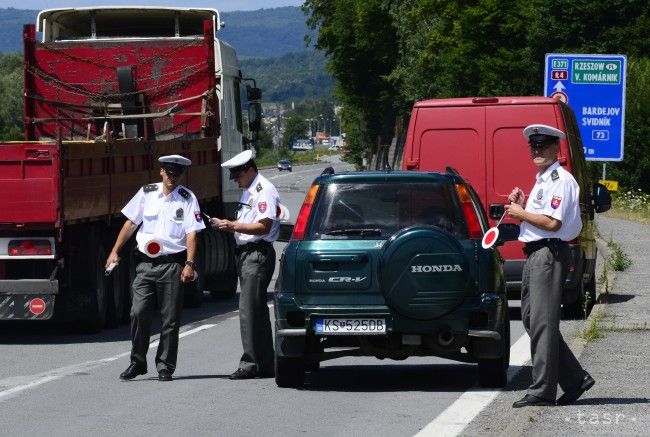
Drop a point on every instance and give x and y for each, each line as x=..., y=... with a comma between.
x=594, y=87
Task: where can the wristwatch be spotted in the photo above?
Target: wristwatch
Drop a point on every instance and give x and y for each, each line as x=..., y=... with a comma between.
x=190, y=263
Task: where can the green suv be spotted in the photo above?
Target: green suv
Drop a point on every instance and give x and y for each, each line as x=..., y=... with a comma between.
x=390, y=264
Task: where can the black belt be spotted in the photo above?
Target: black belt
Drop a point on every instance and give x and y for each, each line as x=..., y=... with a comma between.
x=178, y=258
x=553, y=243
x=255, y=245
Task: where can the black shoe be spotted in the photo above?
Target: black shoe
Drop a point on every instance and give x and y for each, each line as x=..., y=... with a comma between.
x=132, y=371
x=242, y=374
x=165, y=375
x=532, y=401
x=570, y=396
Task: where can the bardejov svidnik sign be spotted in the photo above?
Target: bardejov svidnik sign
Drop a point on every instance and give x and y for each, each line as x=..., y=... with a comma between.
x=594, y=87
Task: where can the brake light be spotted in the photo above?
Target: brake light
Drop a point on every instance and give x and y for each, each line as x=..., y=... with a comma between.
x=29, y=247
x=471, y=217
x=301, y=221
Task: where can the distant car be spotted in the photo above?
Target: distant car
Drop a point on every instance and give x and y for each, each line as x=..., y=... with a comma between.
x=284, y=164
x=334, y=147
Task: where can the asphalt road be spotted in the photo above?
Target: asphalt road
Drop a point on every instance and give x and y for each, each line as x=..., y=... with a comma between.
x=53, y=383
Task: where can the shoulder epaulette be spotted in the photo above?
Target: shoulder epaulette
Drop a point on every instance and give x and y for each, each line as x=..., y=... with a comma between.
x=258, y=188
x=184, y=193
x=554, y=175
x=149, y=188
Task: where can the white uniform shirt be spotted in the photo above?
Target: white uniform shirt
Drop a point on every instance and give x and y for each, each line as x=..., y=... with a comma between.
x=261, y=200
x=166, y=219
x=556, y=194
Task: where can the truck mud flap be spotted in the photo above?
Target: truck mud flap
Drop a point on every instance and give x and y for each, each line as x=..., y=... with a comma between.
x=27, y=299
x=26, y=306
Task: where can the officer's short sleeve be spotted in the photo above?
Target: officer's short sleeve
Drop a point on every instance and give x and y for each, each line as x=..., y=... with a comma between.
x=134, y=209
x=267, y=204
x=194, y=221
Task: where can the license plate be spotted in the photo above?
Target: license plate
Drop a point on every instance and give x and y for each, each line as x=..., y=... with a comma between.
x=350, y=326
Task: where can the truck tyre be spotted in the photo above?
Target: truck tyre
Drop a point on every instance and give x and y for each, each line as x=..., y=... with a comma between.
x=493, y=373
x=193, y=291
x=224, y=285
x=97, y=291
x=289, y=371
x=116, y=297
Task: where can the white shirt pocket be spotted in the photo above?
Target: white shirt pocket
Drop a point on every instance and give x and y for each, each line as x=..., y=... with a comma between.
x=149, y=217
x=176, y=227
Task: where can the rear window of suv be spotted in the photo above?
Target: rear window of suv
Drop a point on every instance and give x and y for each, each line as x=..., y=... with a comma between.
x=378, y=210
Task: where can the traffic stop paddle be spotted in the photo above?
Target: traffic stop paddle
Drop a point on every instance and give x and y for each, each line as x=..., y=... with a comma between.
x=490, y=237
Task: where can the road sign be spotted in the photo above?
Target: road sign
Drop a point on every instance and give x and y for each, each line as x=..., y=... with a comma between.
x=610, y=185
x=594, y=87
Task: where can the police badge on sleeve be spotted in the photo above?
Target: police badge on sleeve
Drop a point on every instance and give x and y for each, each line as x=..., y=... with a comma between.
x=261, y=206
x=555, y=202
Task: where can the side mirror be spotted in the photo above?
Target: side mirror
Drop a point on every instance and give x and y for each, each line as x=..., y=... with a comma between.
x=601, y=198
x=254, y=116
x=253, y=93
x=286, y=229
x=507, y=232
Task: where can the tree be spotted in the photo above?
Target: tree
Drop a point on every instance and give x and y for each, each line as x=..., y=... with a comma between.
x=295, y=127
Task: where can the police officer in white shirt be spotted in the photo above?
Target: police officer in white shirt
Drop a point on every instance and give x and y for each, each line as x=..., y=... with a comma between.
x=170, y=218
x=551, y=217
x=255, y=229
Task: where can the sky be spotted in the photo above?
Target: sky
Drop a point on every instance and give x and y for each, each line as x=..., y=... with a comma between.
x=220, y=5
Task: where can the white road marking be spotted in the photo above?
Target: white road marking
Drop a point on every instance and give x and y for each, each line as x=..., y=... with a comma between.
x=20, y=384
x=458, y=415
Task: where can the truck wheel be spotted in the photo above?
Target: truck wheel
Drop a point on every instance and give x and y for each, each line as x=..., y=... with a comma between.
x=116, y=297
x=224, y=285
x=289, y=371
x=494, y=372
x=576, y=309
x=97, y=292
x=193, y=291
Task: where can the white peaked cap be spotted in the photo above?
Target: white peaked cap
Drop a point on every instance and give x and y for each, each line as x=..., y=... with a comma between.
x=239, y=159
x=175, y=159
x=542, y=129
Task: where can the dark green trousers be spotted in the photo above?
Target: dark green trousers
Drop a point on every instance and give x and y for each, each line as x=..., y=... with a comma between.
x=156, y=282
x=541, y=300
x=255, y=268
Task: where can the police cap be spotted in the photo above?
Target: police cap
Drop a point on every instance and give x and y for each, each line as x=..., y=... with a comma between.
x=239, y=163
x=174, y=164
x=540, y=135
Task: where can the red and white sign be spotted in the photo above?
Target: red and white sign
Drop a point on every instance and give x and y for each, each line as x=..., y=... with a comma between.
x=560, y=96
x=490, y=238
x=262, y=207
x=37, y=306
x=153, y=248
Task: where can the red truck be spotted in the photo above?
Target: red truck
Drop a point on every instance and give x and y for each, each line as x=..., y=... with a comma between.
x=107, y=90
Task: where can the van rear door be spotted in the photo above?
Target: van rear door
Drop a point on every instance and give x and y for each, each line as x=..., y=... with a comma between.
x=446, y=136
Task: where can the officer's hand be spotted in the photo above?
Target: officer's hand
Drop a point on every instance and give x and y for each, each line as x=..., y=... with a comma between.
x=514, y=210
x=225, y=225
x=187, y=274
x=517, y=196
x=112, y=258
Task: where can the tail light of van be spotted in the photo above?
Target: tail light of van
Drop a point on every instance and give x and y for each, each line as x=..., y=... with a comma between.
x=29, y=247
x=471, y=216
x=303, y=216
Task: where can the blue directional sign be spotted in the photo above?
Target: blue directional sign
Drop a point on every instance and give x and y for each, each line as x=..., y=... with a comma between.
x=594, y=87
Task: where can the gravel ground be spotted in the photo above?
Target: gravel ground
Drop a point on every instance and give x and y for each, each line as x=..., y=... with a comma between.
x=618, y=404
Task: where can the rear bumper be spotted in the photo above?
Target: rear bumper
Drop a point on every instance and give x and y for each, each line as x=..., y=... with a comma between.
x=480, y=320
x=27, y=299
